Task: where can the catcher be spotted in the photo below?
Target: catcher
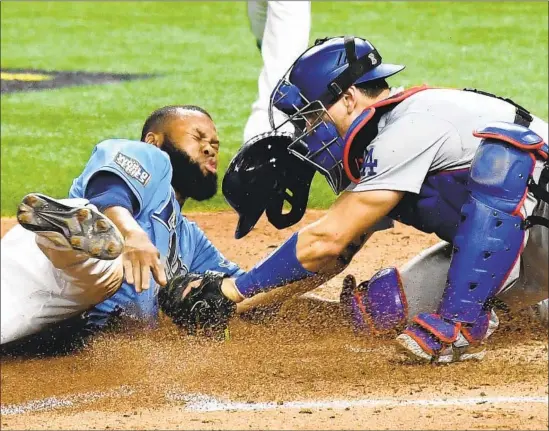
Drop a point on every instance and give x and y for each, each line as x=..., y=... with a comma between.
x=467, y=165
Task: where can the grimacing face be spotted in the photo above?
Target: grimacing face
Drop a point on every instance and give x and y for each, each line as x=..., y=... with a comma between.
x=192, y=143
x=195, y=133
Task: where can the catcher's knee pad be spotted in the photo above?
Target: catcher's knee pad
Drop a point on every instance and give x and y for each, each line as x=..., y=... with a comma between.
x=490, y=235
x=377, y=305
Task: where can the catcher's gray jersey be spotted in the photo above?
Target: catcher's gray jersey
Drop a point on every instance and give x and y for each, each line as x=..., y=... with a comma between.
x=431, y=131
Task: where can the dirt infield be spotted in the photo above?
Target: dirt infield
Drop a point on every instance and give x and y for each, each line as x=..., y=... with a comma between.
x=304, y=370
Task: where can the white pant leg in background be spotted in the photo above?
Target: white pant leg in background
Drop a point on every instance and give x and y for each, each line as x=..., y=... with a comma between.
x=42, y=285
x=282, y=28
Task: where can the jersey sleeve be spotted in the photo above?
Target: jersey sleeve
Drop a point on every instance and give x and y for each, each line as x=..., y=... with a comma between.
x=208, y=258
x=402, y=154
x=143, y=167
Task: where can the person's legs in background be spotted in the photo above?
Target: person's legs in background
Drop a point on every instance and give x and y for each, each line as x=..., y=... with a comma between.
x=281, y=29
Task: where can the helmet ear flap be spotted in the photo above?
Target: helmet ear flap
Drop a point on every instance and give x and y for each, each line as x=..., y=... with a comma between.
x=294, y=189
x=262, y=176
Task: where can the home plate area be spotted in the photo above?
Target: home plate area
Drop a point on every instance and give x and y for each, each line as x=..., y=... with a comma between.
x=302, y=369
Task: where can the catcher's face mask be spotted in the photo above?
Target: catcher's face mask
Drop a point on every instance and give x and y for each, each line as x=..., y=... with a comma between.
x=315, y=82
x=316, y=140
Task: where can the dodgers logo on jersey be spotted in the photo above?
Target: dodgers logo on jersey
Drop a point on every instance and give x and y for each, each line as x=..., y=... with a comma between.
x=369, y=163
x=133, y=168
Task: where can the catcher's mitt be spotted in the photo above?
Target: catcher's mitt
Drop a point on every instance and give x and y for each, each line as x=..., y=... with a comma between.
x=204, y=310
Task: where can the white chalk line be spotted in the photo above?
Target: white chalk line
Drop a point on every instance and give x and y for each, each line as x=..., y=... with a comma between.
x=54, y=403
x=320, y=298
x=204, y=403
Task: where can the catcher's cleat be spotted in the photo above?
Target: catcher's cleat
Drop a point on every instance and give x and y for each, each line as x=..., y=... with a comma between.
x=430, y=338
x=451, y=353
x=78, y=227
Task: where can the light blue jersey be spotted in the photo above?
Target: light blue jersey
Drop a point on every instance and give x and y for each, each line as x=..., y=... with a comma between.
x=182, y=244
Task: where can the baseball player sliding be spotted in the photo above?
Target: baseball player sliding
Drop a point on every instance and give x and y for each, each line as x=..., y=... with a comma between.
x=73, y=266
x=467, y=165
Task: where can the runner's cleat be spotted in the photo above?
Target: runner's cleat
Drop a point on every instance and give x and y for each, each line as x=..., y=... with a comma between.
x=78, y=226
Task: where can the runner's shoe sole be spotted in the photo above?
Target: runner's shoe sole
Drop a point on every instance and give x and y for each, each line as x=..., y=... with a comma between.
x=82, y=226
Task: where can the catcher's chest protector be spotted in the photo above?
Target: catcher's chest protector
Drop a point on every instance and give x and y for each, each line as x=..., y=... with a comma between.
x=436, y=209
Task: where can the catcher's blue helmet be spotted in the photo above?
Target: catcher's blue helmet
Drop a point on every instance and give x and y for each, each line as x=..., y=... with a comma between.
x=316, y=80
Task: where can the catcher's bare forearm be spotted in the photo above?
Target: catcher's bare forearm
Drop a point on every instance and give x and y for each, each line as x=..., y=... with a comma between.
x=318, y=247
x=296, y=288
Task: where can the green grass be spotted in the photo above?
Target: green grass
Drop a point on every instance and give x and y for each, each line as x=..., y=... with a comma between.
x=207, y=56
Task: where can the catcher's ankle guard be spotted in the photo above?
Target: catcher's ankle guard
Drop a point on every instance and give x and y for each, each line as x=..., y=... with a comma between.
x=435, y=335
x=376, y=306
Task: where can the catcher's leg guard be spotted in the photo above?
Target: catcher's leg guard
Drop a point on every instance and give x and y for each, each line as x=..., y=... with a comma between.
x=490, y=236
x=375, y=306
x=488, y=242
